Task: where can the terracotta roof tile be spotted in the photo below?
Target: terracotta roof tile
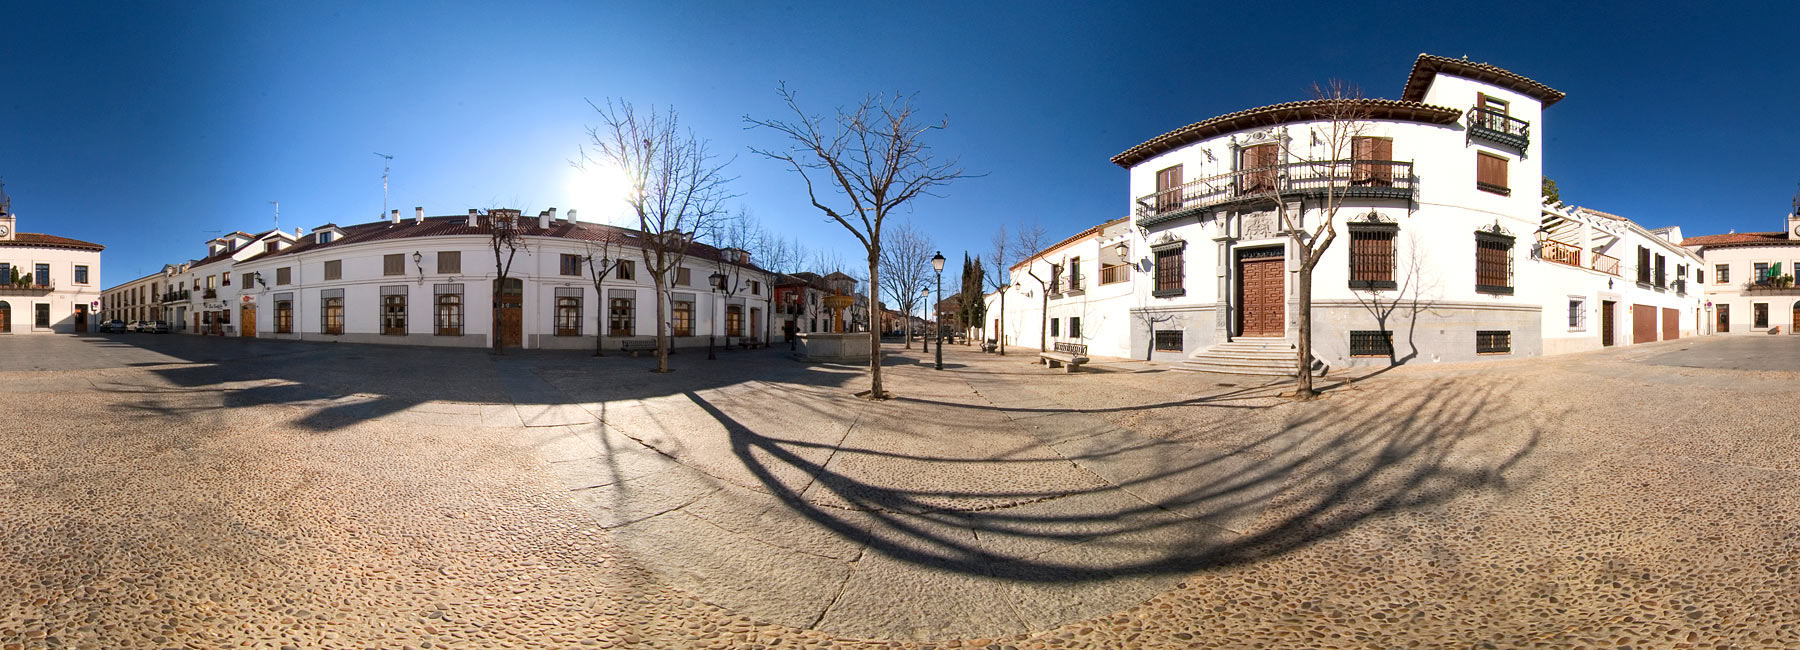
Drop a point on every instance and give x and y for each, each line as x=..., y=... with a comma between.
x=37, y=239
x=1428, y=65
x=1777, y=238
x=1283, y=113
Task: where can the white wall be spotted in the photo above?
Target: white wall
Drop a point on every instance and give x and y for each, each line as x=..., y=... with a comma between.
x=22, y=305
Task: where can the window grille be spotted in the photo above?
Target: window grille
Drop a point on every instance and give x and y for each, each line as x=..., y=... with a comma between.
x=568, y=315
x=1372, y=257
x=1168, y=272
x=1493, y=342
x=1169, y=341
x=1493, y=263
x=1371, y=343
x=449, y=314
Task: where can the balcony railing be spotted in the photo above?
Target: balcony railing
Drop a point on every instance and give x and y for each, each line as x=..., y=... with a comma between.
x=1363, y=178
x=1559, y=252
x=27, y=288
x=209, y=294
x=176, y=296
x=1074, y=286
x=1499, y=127
x=1605, y=263
x=1115, y=273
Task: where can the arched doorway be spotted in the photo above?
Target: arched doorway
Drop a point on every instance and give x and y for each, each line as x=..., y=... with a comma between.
x=5, y=317
x=511, y=308
x=1794, y=325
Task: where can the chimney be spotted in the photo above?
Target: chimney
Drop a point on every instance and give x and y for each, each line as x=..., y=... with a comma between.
x=396, y=216
x=543, y=221
x=553, y=214
x=474, y=217
x=418, y=215
x=571, y=214
x=298, y=234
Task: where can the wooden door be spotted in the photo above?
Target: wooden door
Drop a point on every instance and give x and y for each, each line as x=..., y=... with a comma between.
x=1724, y=318
x=511, y=314
x=1643, y=323
x=249, y=322
x=1261, y=308
x=1671, y=324
x=1606, y=323
x=5, y=316
x=81, y=319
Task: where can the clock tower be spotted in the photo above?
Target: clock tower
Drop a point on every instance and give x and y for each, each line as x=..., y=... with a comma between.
x=7, y=225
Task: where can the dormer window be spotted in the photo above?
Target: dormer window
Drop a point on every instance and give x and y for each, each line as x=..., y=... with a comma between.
x=324, y=237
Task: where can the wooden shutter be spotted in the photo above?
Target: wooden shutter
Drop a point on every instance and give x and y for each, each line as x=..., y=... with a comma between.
x=1167, y=196
x=1490, y=173
x=1260, y=157
x=1371, y=153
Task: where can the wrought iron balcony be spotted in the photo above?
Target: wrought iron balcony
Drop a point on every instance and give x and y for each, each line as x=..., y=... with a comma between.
x=1361, y=179
x=27, y=288
x=176, y=296
x=1497, y=126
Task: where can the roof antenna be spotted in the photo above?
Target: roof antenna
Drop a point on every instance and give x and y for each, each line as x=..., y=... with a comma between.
x=384, y=181
x=277, y=205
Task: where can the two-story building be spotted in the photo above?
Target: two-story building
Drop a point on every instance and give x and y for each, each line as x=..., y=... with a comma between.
x=1604, y=280
x=48, y=284
x=434, y=281
x=1752, y=288
x=1079, y=290
x=1434, y=194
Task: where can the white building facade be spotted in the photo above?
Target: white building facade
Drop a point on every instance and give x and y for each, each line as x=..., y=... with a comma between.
x=48, y=284
x=431, y=281
x=1607, y=281
x=1432, y=260
x=1751, y=279
x=1080, y=290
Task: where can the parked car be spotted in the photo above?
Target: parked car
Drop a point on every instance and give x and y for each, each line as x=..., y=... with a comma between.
x=134, y=326
x=156, y=326
x=115, y=326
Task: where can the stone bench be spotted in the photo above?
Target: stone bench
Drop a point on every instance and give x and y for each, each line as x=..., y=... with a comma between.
x=634, y=347
x=989, y=346
x=1067, y=356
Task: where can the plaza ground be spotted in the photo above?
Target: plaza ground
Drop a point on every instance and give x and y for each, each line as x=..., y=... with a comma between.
x=173, y=491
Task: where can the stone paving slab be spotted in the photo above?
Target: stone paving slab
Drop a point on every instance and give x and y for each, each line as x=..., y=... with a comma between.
x=623, y=502
x=736, y=571
x=889, y=598
x=1224, y=490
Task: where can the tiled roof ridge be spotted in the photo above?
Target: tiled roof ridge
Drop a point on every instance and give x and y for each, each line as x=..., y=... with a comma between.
x=41, y=239
x=1430, y=64
x=1776, y=237
x=1297, y=110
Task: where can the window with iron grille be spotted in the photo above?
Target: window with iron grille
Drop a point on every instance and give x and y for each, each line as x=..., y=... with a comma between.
x=1577, y=313
x=284, y=317
x=1493, y=263
x=1169, y=341
x=393, y=314
x=571, y=264
x=1493, y=342
x=620, y=317
x=449, y=314
x=681, y=321
x=331, y=315
x=568, y=316
x=1371, y=343
x=1372, y=257
x=1168, y=273
x=393, y=264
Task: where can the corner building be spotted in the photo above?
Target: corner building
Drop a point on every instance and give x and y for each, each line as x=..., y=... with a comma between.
x=1435, y=231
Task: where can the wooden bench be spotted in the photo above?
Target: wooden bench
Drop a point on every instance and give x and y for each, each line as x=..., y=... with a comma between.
x=634, y=347
x=1067, y=356
x=989, y=346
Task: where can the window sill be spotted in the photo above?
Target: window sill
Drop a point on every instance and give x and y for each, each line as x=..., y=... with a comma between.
x=1376, y=285
x=1493, y=354
x=1498, y=291
x=1496, y=189
x=1168, y=293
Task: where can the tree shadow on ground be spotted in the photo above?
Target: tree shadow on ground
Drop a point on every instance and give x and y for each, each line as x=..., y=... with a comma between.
x=1322, y=473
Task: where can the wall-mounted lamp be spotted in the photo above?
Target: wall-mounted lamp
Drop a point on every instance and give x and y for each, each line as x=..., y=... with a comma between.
x=1123, y=250
x=418, y=263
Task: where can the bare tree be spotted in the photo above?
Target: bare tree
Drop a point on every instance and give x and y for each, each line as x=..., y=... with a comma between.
x=737, y=232
x=506, y=241
x=1001, y=281
x=1334, y=154
x=602, y=258
x=906, y=261
x=874, y=160
x=1031, y=242
x=678, y=192
x=779, y=255
x=826, y=261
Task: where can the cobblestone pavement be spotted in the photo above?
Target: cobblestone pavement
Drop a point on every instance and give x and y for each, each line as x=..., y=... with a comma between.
x=172, y=491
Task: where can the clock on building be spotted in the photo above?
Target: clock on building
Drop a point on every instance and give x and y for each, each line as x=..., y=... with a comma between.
x=4, y=230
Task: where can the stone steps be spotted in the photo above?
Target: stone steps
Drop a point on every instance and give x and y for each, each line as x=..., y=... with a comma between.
x=1263, y=357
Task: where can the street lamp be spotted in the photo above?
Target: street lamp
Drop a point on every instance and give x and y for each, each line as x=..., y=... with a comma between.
x=925, y=337
x=718, y=282
x=937, y=264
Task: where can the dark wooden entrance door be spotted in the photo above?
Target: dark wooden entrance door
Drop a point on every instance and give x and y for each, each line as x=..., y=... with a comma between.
x=1261, y=311
x=512, y=310
x=249, y=324
x=1606, y=322
x=5, y=316
x=1724, y=318
x=81, y=319
x=1643, y=323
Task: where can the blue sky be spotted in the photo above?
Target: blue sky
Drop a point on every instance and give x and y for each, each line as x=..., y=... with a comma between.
x=146, y=126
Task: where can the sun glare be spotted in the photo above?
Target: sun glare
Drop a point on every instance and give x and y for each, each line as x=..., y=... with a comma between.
x=599, y=190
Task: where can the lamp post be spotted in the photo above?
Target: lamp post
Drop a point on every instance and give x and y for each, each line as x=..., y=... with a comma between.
x=937, y=264
x=925, y=337
x=718, y=281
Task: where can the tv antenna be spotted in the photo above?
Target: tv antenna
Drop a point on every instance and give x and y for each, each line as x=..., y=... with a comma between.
x=384, y=181
x=277, y=205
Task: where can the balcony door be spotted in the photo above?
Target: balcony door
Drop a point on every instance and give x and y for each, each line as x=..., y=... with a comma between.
x=1168, y=193
x=1258, y=164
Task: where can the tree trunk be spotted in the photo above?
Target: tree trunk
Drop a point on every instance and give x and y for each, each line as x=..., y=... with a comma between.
x=908, y=327
x=662, y=324
x=1303, y=384
x=599, y=320
x=1044, y=321
x=874, y=345
x=1000, y=336
x=499, y=281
